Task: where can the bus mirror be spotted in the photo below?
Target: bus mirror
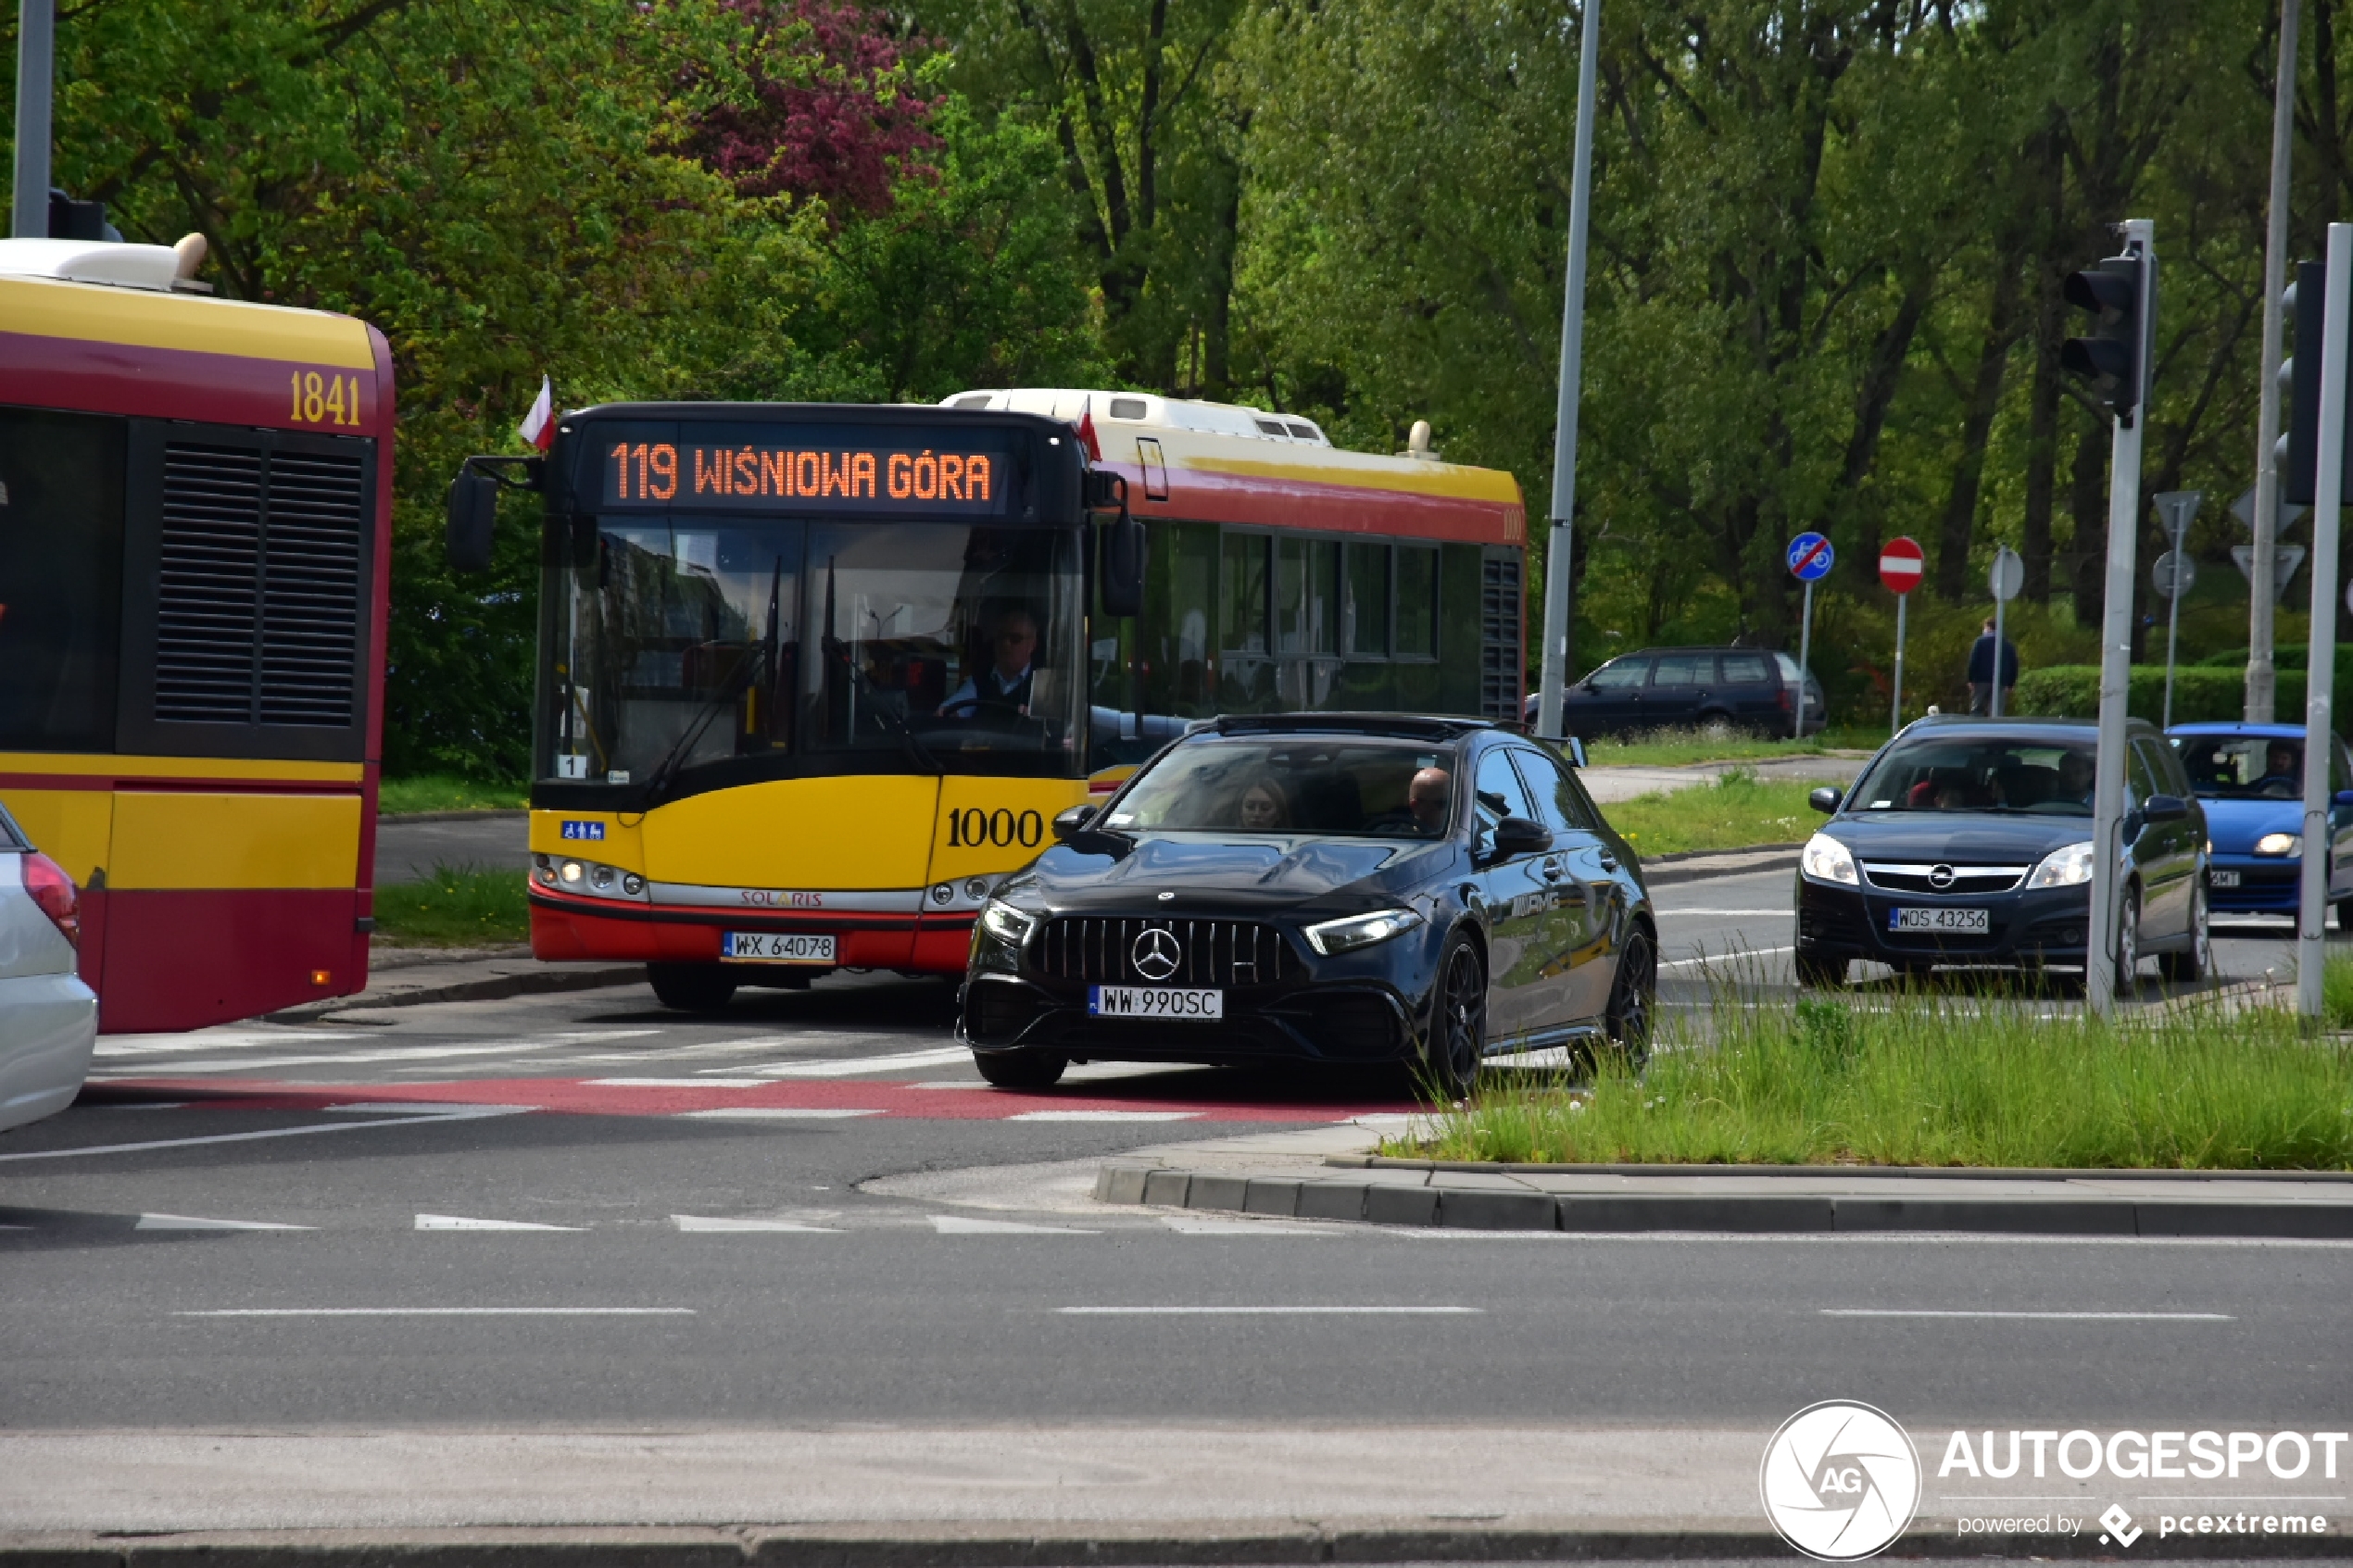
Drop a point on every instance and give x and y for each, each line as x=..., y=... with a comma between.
x=1105, y=489
x=473, y=512
x=1123, y=567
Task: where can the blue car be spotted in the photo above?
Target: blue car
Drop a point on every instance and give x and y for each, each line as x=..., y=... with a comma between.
x=2250, y=778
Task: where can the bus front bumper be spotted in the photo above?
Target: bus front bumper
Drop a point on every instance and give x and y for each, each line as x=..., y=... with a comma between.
x=572, y=930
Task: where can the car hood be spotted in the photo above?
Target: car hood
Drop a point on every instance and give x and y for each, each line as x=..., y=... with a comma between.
x=1958, y=838
x=2235, y=826
x=1207, y=872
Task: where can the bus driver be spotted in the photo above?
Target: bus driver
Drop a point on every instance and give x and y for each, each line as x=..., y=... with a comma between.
x=1003, y=687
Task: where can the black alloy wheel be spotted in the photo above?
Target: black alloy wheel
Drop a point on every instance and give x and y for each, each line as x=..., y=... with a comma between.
x=692, y=987
x=1820, y=974
x=2191, y=964
x=1634, y=998
x=1458, y=1027
x=1021, y=1069
x=2128, y=945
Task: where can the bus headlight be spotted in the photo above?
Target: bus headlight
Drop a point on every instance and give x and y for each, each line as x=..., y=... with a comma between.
x=2280, y=844
x=1006, y=924
x=572, y=872
x=2064, y=868
x=1826, y=860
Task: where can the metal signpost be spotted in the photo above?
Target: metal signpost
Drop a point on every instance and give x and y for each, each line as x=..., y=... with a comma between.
x=1810, y=557
x=2174, y=576
x=36, y=36
x=2006, y=577
x=1900, y=566
x=2320, y=669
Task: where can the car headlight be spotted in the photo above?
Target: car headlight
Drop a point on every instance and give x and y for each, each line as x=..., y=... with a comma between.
x=2280, y=844
x=2064, y=868
x=1826, y=860
x=1336, y=936
x=1006, y=924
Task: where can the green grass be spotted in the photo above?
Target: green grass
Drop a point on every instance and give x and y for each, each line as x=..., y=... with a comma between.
x=2337, y=994
x=457, y=907
x=1737, y=810
x=445, y=791
x=1936, y=1080
x=1673, y=748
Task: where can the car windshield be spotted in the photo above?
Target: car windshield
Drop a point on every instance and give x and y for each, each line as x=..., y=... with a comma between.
x=1958, y=773
x=2242, y=767
x=1319, y=785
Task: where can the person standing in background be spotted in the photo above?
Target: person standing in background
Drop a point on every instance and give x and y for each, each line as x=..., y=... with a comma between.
x=1983, y=671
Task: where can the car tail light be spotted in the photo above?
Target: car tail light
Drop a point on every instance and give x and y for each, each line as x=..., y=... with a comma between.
x=1782, y=696
x=54, y=891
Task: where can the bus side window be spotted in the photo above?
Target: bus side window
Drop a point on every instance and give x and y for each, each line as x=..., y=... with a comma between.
x=62, y=517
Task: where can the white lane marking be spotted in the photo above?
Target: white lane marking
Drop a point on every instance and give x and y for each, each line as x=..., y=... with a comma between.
x=393, y=1053
x=147, y=1105
x=1728, y=958
x=190, y=1223
x=2032, y=1317
x=1665, y=914
x=778, y=1114
x=953, y=1084
x=678, y=1082
x=460, y=1223
x=138, y=1045
x=957, y=1224
x=708, y=1222
x=443, y=1312
x=1268, y=1311
x=852, y=1067
x=1185, y=1226
x=469, y=1113
x=413, y=1108
x=1106, y=1116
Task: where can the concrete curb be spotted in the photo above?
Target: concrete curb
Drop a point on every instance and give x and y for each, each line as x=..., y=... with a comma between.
x=488, y=814
x=1926, y=1172
x=490, y=988
x=1699, y=865
x=950, y=1548
x=1487, y=1208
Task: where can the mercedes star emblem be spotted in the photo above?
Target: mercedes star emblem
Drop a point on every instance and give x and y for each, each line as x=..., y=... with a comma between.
x=1155, y=953
x=1940, y=877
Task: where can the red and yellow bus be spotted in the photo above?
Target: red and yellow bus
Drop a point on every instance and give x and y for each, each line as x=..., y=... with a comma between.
x=194, y=542
x=813, y=677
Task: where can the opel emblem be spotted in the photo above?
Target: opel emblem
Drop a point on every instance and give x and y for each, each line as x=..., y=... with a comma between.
x=1940, y=877
x=1155, y=954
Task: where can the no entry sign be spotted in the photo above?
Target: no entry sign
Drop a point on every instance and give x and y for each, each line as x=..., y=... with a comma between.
x=1899, y=564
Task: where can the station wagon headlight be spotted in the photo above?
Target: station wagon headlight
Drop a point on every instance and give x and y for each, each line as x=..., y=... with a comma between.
x=1006, y=924
x=2064, y=868
x=1826, y=860
x=2280, y=844
x=1336, y=936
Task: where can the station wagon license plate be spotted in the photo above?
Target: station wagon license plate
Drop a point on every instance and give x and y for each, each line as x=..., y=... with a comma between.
x=775, y=947
x=1966, y=922
x=2223, y=879
x=1155, y=1001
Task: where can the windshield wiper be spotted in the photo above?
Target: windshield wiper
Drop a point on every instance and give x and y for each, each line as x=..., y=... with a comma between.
x=762, y=663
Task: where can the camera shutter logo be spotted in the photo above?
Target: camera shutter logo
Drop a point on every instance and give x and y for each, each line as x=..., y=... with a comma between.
x=1840, y=1481
x=1155, y=954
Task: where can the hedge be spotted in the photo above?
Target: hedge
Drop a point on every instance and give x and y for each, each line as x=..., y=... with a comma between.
x=2201, y=692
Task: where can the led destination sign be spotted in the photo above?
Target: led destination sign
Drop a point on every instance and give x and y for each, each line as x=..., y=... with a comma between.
x=750, y=476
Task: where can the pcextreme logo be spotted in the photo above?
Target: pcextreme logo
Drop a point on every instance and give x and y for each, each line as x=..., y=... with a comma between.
x=1840, y=1481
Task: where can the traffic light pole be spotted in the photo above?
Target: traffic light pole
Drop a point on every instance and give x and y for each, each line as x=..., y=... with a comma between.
x=1560, y=545
x=2261, y=677
x=2116, y=643
x=2319, y=672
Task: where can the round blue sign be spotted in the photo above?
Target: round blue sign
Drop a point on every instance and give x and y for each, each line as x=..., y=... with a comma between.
x=1809, y=557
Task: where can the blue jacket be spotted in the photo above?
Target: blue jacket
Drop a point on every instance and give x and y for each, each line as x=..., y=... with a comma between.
x=1980, y=662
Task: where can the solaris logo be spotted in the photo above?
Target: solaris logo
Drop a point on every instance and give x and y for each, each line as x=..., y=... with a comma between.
x=1840, y=1481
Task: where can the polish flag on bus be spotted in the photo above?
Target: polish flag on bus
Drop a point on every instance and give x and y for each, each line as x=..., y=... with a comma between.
x=1086, y=431
x=539, y=425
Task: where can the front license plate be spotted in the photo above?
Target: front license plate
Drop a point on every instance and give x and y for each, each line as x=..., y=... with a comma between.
x=1967, y=921
x=2223, y=879
x=1155, y=1001
x=775, y=947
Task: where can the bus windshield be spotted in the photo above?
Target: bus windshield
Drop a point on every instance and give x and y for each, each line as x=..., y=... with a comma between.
x=698, y=652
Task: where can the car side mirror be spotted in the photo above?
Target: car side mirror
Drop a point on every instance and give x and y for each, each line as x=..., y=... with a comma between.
x=1826, y=799
x=474, y=517
x=2165, y=809
x=2344, y=797
x=1121, y=565
x=1521, y=835
x=1071, y=819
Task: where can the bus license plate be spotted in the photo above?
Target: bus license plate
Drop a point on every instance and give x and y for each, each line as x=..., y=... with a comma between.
x=775, y=947
x=1155, y=1001
x=2223, y=879
x=1967, y=921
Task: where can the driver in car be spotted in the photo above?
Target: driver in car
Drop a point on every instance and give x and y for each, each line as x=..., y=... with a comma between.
x=1003, y=687
x=1427, y=796
x=2282, y=770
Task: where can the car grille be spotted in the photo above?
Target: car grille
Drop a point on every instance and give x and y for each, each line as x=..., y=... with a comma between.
x=1211, y=952
x=1964, y=880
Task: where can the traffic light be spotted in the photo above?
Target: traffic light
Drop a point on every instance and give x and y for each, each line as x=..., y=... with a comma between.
x=2115, y=293
x=2299, y=451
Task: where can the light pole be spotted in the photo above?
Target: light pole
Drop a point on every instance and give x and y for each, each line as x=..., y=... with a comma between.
x=2319, y=665
x=2261, y=596
x=1560, y=544
x=36, y=67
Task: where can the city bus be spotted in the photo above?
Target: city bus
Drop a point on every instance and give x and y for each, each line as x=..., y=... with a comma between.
x=194, y=504
x=812, y=677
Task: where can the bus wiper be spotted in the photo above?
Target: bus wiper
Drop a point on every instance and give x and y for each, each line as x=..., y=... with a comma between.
x=762, y=663
x=837, y=649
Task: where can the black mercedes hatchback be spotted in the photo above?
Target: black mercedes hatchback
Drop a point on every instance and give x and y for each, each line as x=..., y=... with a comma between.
x=1320, y=887
x=1968, y=842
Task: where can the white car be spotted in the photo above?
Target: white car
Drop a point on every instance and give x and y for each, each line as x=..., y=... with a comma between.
x=48, y=1018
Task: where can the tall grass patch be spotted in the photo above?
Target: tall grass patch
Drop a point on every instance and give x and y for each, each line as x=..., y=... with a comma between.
x=457, y=907
x=1736, y=810
x=1934, y=1080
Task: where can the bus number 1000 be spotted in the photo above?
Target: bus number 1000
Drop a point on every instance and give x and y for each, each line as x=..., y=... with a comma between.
x=325, y=400
x=976, y=829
